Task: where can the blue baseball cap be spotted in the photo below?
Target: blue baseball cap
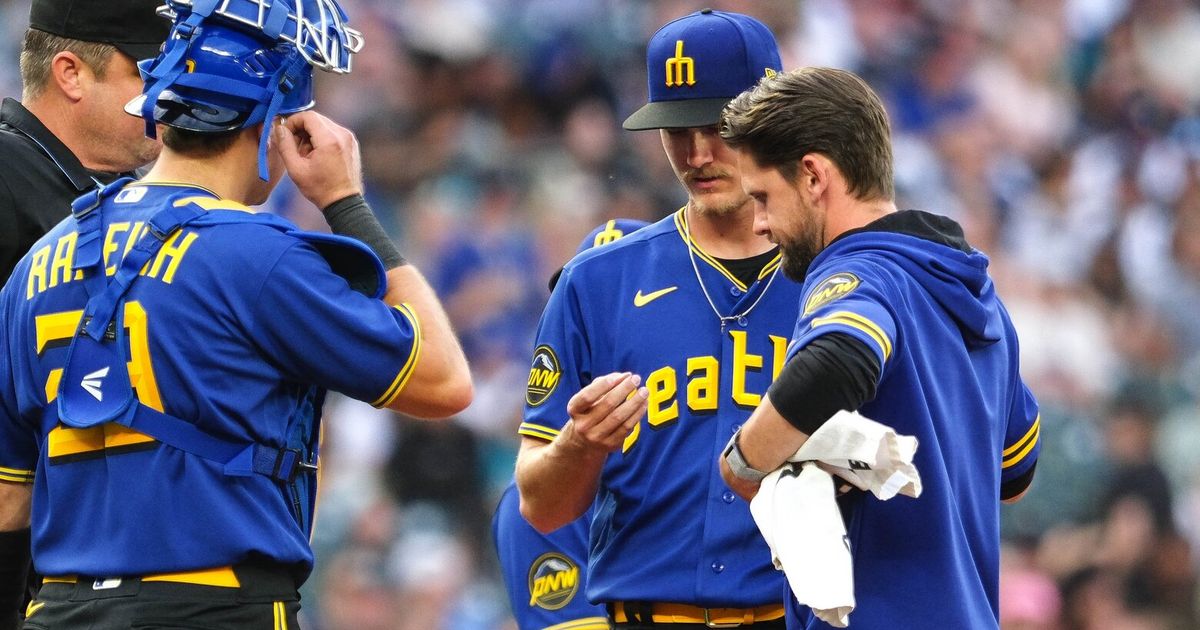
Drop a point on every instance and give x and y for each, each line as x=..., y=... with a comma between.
x=698, y=63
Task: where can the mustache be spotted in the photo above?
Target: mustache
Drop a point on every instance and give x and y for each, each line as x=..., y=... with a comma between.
x=704, y=173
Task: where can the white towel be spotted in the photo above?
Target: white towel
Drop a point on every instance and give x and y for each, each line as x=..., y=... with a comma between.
x=796, y=511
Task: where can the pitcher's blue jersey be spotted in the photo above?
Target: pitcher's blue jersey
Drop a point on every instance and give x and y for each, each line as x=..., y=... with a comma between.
x=666, y=529
x=229, y=327
x=544, y=573
x=949, y=377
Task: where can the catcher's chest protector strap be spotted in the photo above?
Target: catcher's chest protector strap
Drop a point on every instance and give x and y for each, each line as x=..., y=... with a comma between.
x=95, y=387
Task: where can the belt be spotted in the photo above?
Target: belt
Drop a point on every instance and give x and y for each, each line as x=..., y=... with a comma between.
x=221, y=576
x=683, y=613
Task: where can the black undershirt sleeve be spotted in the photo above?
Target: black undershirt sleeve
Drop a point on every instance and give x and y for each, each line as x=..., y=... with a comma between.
x=1013, y=487
x=833, y=372
x=14, y=568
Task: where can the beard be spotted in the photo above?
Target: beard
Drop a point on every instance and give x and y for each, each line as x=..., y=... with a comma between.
x=798, y=253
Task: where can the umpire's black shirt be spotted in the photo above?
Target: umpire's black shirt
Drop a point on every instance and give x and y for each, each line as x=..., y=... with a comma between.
x=39, y=178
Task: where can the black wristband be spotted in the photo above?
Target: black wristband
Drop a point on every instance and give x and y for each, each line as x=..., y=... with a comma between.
x=834, y=372
x=14, y=570
x=352, y=217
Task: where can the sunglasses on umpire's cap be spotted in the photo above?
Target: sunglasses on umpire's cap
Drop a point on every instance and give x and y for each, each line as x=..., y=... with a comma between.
x=131, y=26
x=698, y=63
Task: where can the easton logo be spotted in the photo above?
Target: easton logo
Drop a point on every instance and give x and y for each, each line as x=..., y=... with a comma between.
x=543, y=376
x=553, y=581
x=836, y=286
x=91, y=383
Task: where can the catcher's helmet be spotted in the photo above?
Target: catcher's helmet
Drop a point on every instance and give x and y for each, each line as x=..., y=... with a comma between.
x=232, y=64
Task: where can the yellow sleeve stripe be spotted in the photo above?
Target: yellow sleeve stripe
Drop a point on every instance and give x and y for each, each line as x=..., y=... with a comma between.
x=402, y=377
x=586, y=623
x=858, y=322
x=16, y=475
x=538, y=431
x=1017, y=452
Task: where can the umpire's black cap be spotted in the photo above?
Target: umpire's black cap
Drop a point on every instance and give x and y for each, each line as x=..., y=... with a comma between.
x=131, y=26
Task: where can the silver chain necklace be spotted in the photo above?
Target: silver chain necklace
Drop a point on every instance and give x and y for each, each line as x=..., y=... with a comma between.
x=724, y=319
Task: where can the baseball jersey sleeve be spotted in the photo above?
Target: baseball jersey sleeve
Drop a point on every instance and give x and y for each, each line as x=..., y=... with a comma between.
x=848, y=300
x=561, y=363
x=318, y=330
x=1021, y=440
x=18, y=444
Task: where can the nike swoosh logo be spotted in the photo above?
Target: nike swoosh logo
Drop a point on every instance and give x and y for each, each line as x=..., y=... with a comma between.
x=33, y=607
x=640, y=300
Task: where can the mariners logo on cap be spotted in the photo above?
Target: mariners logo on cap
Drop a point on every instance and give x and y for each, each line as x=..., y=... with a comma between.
x=553, y=581
x=680, y=70
x=836, y=286
x=543, y=376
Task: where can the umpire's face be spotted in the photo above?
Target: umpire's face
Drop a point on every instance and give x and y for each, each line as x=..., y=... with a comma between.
x=706, y=167
x=785, y=212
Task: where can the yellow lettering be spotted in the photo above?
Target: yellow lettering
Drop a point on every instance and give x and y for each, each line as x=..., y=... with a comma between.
x=37, y=272
x=679, y=66
x=743, y=361
x=110, y=245
x=543, y=378
x=64, y=257
x=172, y=252
x=702, y=390
x=779, y=345
x=661, y=386
x=569, y=578
x=631, y=438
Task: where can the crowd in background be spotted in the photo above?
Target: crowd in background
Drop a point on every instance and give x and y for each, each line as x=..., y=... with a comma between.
x=1064, y=135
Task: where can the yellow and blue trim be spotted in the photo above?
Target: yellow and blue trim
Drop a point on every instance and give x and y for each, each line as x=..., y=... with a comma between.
x=538, y=431
x=389, y=395
x=682, y=226
x=585, y=623
x=1016, y=453
x=16, y=475
x=860, y=323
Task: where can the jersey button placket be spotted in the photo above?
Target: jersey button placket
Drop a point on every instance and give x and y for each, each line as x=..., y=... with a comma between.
x=717, y=566
x=728, y=497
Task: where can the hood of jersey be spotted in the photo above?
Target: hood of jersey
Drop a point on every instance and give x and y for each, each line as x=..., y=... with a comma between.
x=932, y=249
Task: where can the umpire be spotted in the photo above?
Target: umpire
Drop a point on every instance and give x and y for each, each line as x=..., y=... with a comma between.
x=68, y=131
x=65, y=135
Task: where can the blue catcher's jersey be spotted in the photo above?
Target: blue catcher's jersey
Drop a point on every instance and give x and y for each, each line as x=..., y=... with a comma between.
x=950, y=377
x=229, y=327
x=667, y=529
x=544, y=573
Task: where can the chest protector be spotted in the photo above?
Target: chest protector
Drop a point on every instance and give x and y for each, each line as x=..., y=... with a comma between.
x=95, y=387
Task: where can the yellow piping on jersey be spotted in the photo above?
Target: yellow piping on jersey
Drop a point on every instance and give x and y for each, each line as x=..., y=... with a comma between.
x=406, y=371
x=538, y=431
x=586, y=623
x=1023, y=445
x=858, y=322
x=16, y=475
x=174, y=184
x=682, y=226
x=208, y=203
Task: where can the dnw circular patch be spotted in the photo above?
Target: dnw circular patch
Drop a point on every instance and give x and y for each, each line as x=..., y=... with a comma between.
x=837, y=286
x=553, y=581
x=544, y=375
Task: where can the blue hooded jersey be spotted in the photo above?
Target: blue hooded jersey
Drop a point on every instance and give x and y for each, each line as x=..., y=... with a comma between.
x=229, y=328
x=923, y=302
x=667, y=528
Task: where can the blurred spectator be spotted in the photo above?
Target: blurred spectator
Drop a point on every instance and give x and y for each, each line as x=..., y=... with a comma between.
x=1063, y=134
